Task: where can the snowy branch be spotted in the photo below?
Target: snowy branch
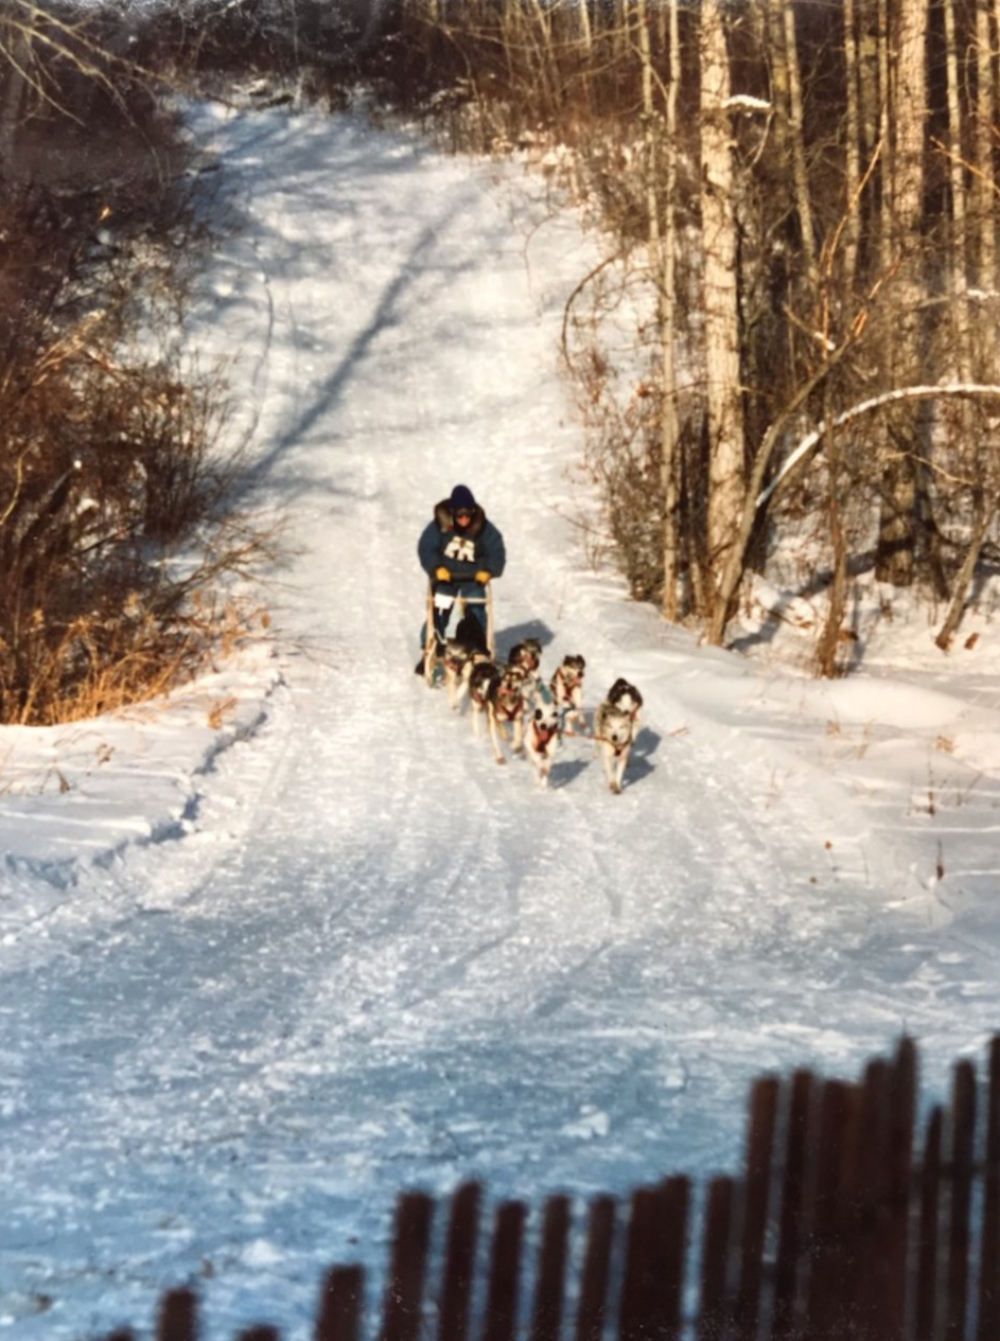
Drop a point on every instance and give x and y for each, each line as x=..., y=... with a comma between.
x=811, y=440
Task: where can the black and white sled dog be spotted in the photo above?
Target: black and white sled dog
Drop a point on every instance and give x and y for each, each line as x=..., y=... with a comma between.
x=567, y=689
x=625, y=696
x=458, y=659
x=542, y=735
x=527, y=656
x=616, y=724
x=499, y=693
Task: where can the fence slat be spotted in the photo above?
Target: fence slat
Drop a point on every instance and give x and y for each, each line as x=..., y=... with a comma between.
x=459, y=1272
x=404, y=1292
x=639, y=1285
x=899, y=1164
x=963, y=1128
x=790, y=1226
x=592, y=1308
x=927, y=1248
x=675, y=1200
x=874, y=1224
x=340, y=1304
x=178, y=1320
x=505, y=1272
x=988, y=1326
x=547, y=1314
x=759, y=1162
x=713, y=1308
x=823, y=1298
x=261, y=1332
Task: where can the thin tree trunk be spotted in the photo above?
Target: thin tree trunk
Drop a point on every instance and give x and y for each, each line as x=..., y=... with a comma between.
x=884, y=96
x=983, y=522
x=724, y=407
x=894, y=560
x=13, y=84
x=803, y=203
x=830, y=639
x=586, y=31
x=852, y=157
x=670, y=420
x=985, y=187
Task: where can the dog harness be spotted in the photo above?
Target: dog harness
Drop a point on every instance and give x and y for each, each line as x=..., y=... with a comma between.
x=544, y=734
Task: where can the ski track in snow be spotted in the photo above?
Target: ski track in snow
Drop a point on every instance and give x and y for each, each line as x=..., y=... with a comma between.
x=365, y=920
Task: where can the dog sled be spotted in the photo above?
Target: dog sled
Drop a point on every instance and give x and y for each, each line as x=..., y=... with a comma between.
x=457, y=603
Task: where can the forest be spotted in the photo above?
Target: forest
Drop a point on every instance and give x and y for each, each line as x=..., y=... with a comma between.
x=786, y=359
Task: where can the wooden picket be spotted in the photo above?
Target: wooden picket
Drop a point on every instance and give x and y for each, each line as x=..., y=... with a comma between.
x=840, y=1227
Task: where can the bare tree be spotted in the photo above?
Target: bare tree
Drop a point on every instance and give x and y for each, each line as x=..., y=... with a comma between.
x=897, y=526
x=723, y=390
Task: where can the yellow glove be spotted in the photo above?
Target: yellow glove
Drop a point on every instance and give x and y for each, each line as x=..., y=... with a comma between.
x=442, y=574
x=483, y=576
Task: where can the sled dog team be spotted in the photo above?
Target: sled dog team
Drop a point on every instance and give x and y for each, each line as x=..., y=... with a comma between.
x=514, y=696
x=463, y=552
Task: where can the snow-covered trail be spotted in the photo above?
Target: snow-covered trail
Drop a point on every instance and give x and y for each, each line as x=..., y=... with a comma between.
x=374, y=958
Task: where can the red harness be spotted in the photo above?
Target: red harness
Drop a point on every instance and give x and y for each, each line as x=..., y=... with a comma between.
x=544, y=735
x=563, y=685
x=509, y=702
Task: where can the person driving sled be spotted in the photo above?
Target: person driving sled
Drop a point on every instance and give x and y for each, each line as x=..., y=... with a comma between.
x=460, y=551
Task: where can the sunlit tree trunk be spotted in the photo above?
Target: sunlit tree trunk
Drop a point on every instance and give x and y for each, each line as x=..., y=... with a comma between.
x=853, y=141
x=985, y=189
x=958, y=249
x=897, y=529
x=723, y=398
x=803, y=202
x=670, y=421
x=586, y=31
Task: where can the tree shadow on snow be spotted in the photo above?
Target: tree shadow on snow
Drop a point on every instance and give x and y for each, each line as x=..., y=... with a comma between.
x=508, y=638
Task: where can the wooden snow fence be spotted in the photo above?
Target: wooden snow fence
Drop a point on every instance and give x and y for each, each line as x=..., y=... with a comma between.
x=848, y=1224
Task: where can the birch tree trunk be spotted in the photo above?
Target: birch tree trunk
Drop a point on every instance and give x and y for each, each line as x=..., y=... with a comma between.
x=803, y=202
x=852, y=135
x=670, y=421
x=586, y=31
x=985, y=186
x=894, y=560
x=724, y=407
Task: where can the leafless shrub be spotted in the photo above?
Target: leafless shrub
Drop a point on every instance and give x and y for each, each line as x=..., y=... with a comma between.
x=118, y=538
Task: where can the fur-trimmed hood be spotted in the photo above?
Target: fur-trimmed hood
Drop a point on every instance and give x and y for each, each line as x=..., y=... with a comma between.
x=445, y=519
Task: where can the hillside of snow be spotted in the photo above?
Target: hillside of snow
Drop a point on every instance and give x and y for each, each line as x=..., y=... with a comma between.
x=291, y=942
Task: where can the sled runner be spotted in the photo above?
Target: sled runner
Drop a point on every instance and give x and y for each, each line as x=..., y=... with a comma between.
x=437, y=600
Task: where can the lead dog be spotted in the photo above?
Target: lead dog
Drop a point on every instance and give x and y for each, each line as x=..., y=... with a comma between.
x=616, y=724
x=625, y=696
x=542, y=737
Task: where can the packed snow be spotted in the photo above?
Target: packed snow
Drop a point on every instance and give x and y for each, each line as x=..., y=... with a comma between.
x=291, y=942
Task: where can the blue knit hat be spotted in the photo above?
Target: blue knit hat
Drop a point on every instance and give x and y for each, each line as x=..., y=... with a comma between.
x=461, y=499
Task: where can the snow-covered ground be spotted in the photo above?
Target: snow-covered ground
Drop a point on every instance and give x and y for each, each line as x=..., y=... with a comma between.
x=291, y=942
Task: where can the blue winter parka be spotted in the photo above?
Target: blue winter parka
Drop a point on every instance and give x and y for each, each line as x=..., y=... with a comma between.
x=478, y=548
